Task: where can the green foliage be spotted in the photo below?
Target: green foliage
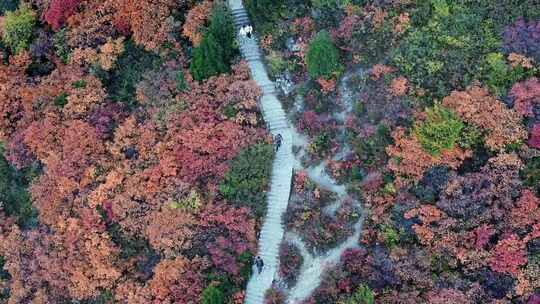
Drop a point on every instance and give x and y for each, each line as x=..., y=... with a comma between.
x=276, y=64
x=440, y=131
x=330, y=3
x=61, y=48
x=447, y=51
x=530, y=174
x=181, y=84
x=217, y=48
x=391, y=235
x=470, y=137
x=129, y=70
x=191, y=202
x=105, y=297
x=362, y=295
x=322, y=57
x=264, y=11
x=248, y=177
x=61, y=100
x=18, y=28
x=229, y=111
x=14, y=194
x=8, y=5
x=372, y=149
x=320, y=144
x=245, y=259
x=499, y=76
x=212, y=295
x=79, y=84
x=4, y=275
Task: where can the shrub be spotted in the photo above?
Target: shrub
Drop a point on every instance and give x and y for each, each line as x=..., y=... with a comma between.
x=181, y=84
x=522, y=38
x=14, y=195
x=59, y=11
x=322, y=57
x=330, y=3
x=18, y=28
x=128, y=71
x=290, y=262
x=61, y=100
x=372, y=149
x=191, y=202
x=530, y=174
x=362, y=295
x=440, y=131
x=499, y=76
x=248, y=177
x=8, y=5
x=390, y=235
x=61, y=48
x=264, y=12
x=447, y=52
x=212, y=295
x=214, y=54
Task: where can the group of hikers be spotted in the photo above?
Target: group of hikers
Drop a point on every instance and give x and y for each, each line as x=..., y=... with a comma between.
x=246, y=30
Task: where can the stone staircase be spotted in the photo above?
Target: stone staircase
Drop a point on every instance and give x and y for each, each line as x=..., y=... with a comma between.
x=280, y=184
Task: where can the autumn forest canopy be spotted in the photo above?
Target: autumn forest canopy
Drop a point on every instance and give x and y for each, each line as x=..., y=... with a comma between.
x=135, y=161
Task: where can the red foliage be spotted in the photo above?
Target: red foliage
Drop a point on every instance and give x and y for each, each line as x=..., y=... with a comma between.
x=59, y=11
x=481, y=235
x=310, y=122
x=509, y=255
x=534, y=138
x=235, y=231
x=525, y=95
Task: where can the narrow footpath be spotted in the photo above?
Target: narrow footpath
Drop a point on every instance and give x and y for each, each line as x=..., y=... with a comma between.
x=280, y=184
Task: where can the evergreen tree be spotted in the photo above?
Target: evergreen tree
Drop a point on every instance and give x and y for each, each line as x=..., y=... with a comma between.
x=214, y=54
x=322, y=57
x=212, y=295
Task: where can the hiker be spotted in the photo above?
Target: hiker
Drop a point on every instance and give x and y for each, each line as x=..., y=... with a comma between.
x=277, y=141
x=259, y=263
x=249, y=29
x=243, y=31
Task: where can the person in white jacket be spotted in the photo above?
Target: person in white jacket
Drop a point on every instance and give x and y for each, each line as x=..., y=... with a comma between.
x=249, y=29
x=243, y=31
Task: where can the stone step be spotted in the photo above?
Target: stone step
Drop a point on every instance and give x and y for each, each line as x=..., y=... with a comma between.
x=236, y=11
x=241, y=21
x=276, y=112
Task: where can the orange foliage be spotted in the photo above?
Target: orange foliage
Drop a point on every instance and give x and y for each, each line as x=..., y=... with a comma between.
x=150, y=21
x=410, y=160
x=379, y=70
x=399, y=86
x=195, y=20
x=520, y=60
x=477, y=107
x=327, y=85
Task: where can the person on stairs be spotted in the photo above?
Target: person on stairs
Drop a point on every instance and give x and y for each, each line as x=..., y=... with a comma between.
x=249, y=29
x=259, y=263
x=242, y=32
x=277, y=141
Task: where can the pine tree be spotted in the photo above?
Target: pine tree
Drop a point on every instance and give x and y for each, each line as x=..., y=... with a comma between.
x=322, y=57
x=212, y=295
x=214, y=54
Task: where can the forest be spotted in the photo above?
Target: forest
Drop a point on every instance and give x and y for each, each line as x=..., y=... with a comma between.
x=135, y=160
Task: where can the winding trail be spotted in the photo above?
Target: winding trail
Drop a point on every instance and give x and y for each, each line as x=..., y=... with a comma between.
x=280, y=183
x=273, y=229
